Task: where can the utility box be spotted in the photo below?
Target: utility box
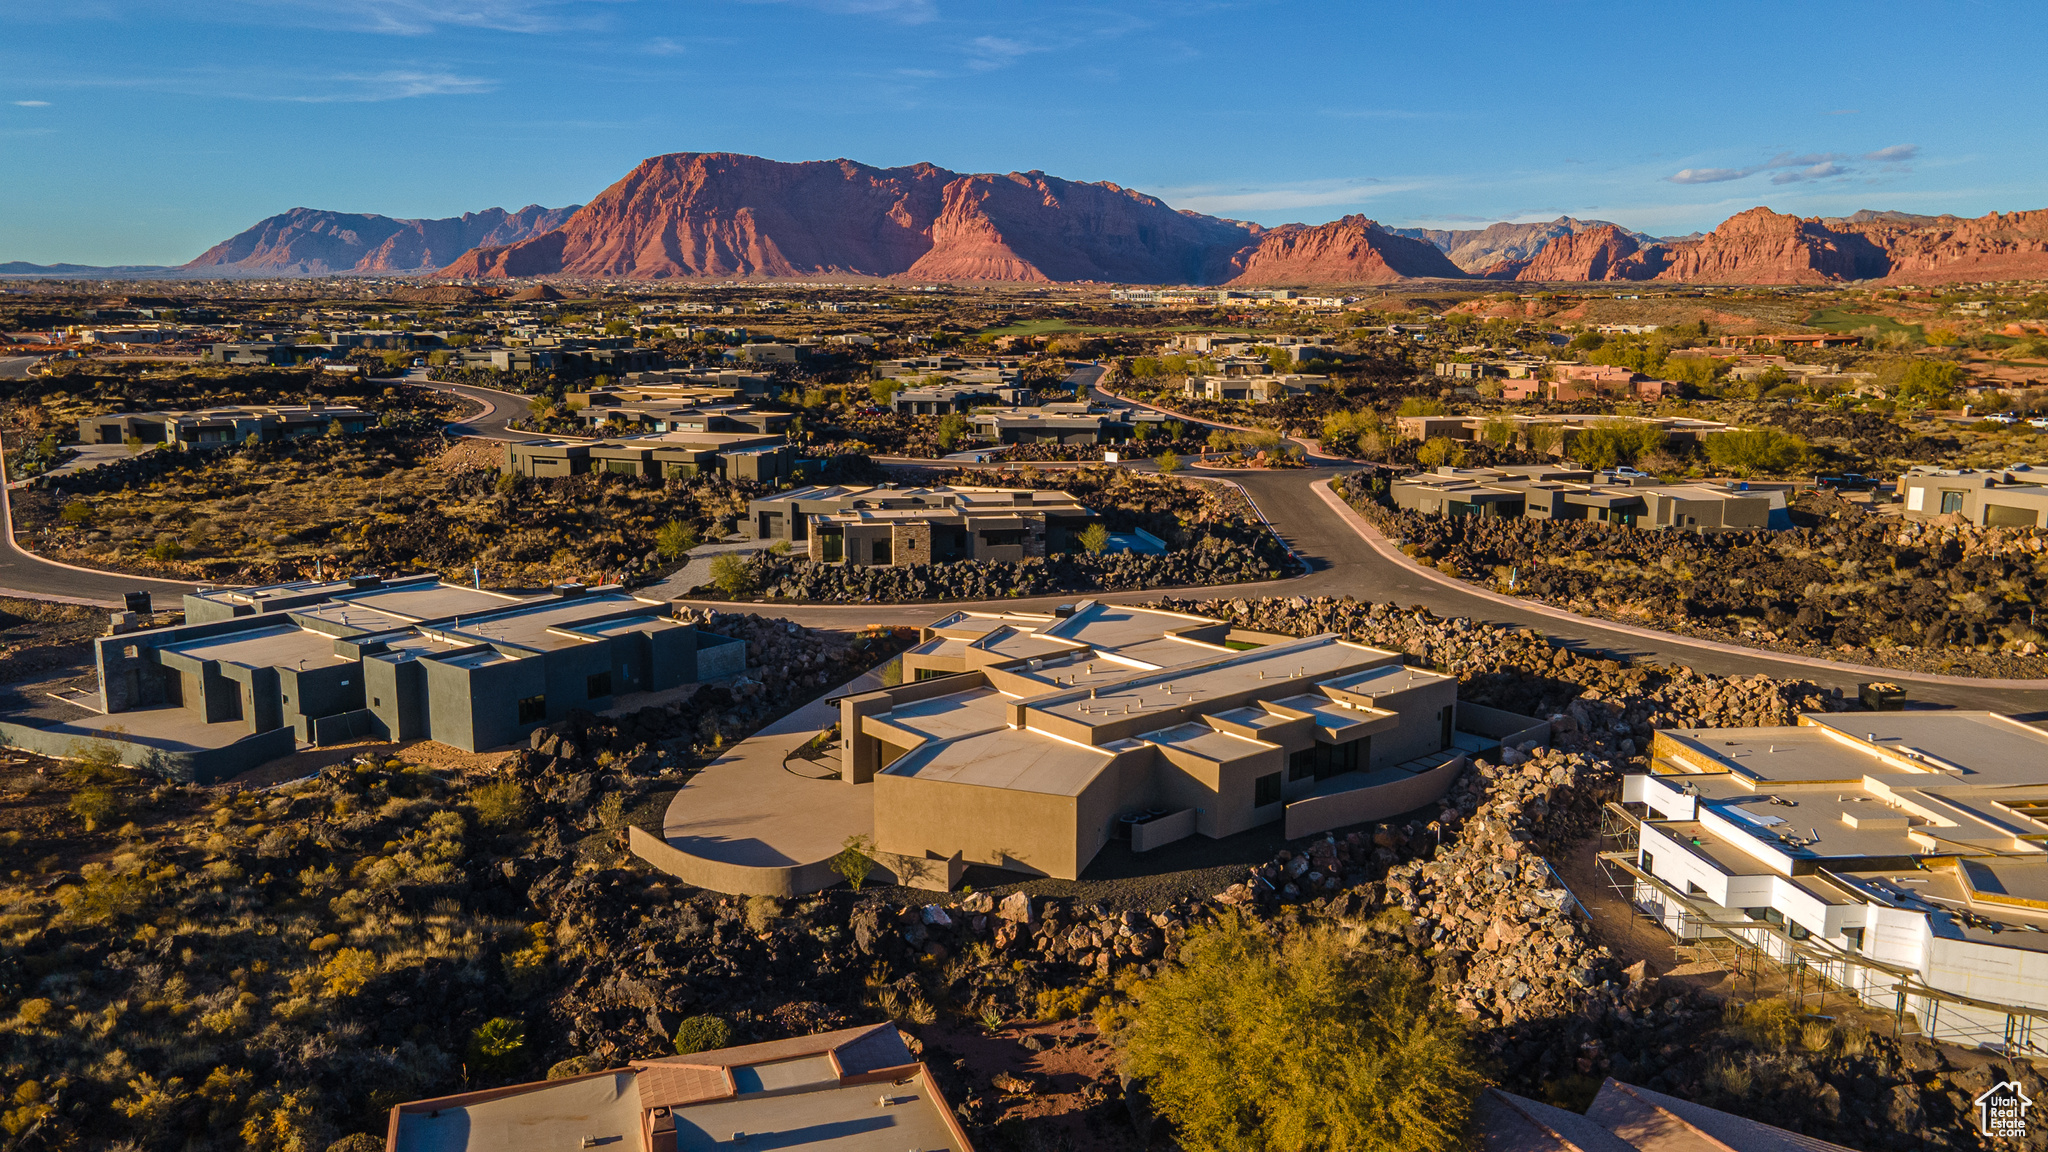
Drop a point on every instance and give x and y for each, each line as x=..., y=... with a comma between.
x=1881, y=696
x=136, y=602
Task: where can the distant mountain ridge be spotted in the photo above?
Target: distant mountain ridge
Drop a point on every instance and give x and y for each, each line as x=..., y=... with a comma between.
x=311, y=242
x=1476, y=249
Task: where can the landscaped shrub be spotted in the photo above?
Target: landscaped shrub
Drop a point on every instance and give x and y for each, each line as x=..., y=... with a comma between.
x=702, y=1034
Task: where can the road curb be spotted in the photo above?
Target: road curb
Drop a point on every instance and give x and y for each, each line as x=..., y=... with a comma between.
x=1386, y=549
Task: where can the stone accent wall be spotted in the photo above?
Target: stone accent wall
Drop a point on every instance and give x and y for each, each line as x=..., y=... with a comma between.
x=910, y=544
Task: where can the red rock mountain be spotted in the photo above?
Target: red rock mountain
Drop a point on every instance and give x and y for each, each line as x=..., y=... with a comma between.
x=306, y=241
x=1595, y=254
x=721, y=215
x=1998, y=246
x=1353, y=250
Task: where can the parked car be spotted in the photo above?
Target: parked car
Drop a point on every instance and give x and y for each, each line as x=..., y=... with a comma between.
x=1630, y=473
x=2038, y=422
x=2003, y=418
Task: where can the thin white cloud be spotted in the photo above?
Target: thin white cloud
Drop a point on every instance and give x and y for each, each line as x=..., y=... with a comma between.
x=1284, y=198
x=987, y=53
x=1789, y=169
x=898, y=11
x=31, y=103
x=421, y=17
x=662, y=46
x=382, y=86
x=1709, y=175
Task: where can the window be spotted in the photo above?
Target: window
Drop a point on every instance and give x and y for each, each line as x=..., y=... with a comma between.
x=533, y=709
x=1266, y=790
x=1302, y=765
x=598, y=685
x=1951, y=501
x=1649, y=864
x=931, y=673
x=1852, y=938
x=2003, y=516
x=835, y=547
x=881, y=552
x=376, y=701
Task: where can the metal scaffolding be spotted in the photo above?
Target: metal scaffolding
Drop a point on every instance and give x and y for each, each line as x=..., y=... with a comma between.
x=1703, y=933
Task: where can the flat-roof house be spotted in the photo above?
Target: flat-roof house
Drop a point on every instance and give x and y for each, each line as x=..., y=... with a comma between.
x=1029, y=741
x=897, y=526
x=223, y=427
x=1544, y=493
x=1051, y=425
x=938, y=399
x=764, y=458
x=1993, y=498
x=402, y=659
x=854, y=1090
x=1253, y=387
x=1898, y=854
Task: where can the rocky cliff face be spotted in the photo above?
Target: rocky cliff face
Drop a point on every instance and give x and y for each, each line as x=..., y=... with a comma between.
x=306, y=241
x=1604, y=253
x=704, y=215
x=1480, y=250
x=1765, y=247
x=1353, y=250
x=1999, y=246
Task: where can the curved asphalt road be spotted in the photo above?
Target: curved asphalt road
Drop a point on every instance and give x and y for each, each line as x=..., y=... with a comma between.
x=30, y=576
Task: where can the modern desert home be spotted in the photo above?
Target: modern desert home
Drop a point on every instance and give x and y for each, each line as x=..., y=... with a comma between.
x=1030, y=742
x=401, y=659
x=854, y=1090
x=1899, y=855
x=886, y=525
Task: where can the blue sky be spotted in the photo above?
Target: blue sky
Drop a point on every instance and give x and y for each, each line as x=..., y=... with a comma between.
x=143, y=131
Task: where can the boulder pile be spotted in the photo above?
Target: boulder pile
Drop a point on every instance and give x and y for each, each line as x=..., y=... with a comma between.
x=1209, y=563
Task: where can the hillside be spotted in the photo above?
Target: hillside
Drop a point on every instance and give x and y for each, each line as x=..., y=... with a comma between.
x=307, y=241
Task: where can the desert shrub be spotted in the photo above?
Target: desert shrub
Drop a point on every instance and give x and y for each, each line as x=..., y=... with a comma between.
x=611, y=812
x=1297, y=1045
x=1772, y=1024
x=1066, y=1003
x=702, y=1034
x=358, y=1142
x=1094, y=538
x=348, y=971
x=501, y=804
x=103, y=893
x=1167, y=462
x=565, y=1069
x=731, y=574
x=763, y=912
x=495, y=1046
x=33, y=1011
x=96, y=807
x=675, y=540
x=527, y=967
x=1747, y=451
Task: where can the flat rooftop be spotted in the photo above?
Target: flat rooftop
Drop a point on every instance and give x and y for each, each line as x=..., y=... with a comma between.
x=284, y=646
x=539, y=624
x=841, y=1119
x=1016, y=759
x=431, y=601
x=1257, y=670
x=554, y=1116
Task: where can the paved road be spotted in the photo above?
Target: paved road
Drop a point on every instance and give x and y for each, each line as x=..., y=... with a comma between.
x=16, y=367
x=1342, y=564
x=499, y=408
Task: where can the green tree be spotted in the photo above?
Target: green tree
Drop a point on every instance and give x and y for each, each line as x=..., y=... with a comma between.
x=702, y=1034
x=1440, y=450
x=675, y=540
x=1498, y=431
x=1254, y=1044
x=1421, y=406
x=1167, y=462
x=1175, y=429
x=731, y=574
x=1095, y=538
x=883, y=391
x=1751, y=451
x=952, y=427
x=855, y=862
x=1925, y=382
x=1696, y=371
